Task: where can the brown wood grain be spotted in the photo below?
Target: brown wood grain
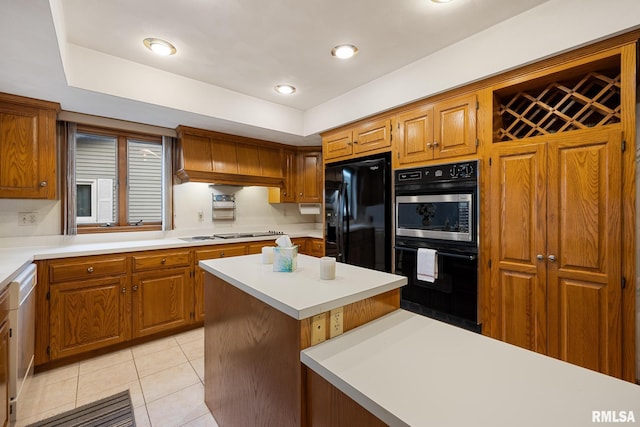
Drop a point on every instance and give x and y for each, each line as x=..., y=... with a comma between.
x=309, y=184
x=372, y=135
x=252, y=353
x=329, y=407
x=161, y=259
x=87, y=268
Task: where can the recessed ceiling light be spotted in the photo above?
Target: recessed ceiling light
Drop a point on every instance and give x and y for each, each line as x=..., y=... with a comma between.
x=285, y=89
x=344, y=51
x=441, y=1
x=159, y=46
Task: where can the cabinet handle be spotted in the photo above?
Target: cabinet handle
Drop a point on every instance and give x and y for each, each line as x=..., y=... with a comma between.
x=124, y=290
x=43, y=183
x=552, y=257
x=163, y=261
x=540, y=257
x=355, y=142
x=435, y=143
x=90, y=270
x=135, y=288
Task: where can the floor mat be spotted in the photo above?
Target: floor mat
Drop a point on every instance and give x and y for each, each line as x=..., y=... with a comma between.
x=112, y=411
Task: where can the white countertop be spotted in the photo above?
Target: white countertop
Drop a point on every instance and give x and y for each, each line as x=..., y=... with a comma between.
x=302, y=294
x=411, y=370
x=14, y=259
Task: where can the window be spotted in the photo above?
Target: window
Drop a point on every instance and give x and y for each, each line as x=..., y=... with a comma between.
x=118, y=180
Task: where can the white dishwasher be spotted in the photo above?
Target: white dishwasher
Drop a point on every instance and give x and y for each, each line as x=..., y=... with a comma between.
x=22, y=310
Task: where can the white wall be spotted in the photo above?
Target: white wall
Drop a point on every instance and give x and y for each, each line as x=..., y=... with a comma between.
x=252, y=212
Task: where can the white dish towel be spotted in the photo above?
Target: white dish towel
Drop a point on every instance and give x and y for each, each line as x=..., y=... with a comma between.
x=427, y=265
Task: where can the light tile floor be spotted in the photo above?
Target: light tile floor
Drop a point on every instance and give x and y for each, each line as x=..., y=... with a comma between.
x=164, y=377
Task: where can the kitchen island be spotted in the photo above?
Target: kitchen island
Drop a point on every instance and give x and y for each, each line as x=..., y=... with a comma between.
x=257, y=321
x=408, y=370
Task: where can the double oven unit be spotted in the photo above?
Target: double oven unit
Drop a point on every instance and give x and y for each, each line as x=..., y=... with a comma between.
x=436, y=207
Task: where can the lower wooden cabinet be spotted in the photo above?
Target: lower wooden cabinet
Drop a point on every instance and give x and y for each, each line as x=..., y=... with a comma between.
x=162, y=300
x=87, y=315
x=93, y=302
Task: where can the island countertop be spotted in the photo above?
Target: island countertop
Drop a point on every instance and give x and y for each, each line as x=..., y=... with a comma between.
x=302, y=294
x=409, y=370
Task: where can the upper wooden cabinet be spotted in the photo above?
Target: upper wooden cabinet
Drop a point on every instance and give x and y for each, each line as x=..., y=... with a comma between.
x=366, y=138
x=28, y=154
x=436, y=131
x=303, y=177
x=206, y=156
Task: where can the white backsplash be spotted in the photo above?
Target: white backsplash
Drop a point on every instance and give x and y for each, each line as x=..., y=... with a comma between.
x=253, y=211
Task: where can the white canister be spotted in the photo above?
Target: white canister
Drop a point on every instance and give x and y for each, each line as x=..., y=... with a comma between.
x=267, y=254
x=327, y=268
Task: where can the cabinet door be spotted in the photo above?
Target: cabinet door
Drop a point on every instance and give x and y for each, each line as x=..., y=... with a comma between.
x=415, y=135
x=455, y=127
x=212, y=253
x=162, y=300
x=309, y=186
x=372, y=136
x=270, y=162
x=27, y=153
x=584, y=250
x=248, y=160
x=518, y=233
x=336, y=145
x=87, y=315
x=288, y=192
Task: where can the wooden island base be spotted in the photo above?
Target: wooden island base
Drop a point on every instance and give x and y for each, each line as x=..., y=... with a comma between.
x=253, y=374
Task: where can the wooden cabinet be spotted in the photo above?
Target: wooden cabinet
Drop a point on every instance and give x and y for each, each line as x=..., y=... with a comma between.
x=162, y=291
x=315, y=247
x=4, y=357
x=28, y=153
x=556, y=253
x=206, y=156
x=369, y=137
x=89, y=304
x=303, y=178
x=442, y=130
x=309, y=183
x=214, y=252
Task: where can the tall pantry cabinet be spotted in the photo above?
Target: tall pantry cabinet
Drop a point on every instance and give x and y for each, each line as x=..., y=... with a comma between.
x=557, y=171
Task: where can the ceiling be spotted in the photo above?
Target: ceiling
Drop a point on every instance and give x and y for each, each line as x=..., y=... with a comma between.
x=89, y=56
x=249, y=46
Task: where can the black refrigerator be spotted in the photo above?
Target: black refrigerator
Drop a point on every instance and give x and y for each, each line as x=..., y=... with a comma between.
x=358, y=212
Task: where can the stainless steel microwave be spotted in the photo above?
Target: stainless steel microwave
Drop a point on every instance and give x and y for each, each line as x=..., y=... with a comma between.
x=436, y=216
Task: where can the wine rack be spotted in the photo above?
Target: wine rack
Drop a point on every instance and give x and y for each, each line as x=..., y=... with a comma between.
x=589, y=100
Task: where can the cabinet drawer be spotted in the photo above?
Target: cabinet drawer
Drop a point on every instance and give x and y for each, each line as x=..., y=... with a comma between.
x=225, y=251
x=160, y=260
x=87, y=268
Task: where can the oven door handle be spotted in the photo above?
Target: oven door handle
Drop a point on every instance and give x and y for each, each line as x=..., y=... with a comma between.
x=448, y=254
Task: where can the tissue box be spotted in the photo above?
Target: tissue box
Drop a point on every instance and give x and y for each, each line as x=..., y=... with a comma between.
x=285, y=259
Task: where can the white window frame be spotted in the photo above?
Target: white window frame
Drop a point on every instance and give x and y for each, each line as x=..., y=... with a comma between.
x=94, y=202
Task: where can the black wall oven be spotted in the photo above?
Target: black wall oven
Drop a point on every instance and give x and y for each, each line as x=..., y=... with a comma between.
x=436, y=207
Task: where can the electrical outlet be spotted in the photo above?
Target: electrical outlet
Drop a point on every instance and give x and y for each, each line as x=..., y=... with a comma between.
x=28, y=218
x=336, y=326
x=318, y=328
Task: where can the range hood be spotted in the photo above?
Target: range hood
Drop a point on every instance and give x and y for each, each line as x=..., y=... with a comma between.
x=217, y=158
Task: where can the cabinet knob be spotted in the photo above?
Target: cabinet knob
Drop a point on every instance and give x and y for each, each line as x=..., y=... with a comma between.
x=429, y=145
x=355, y=142
x=221, y=254
x=540, y=257
x=552, y=257
x=163, y=261
x=301, y=194
x=135, y=288
x=43, y=183
x=123, y=290
x=435, y=143
x=284, y=193
x=90, y=270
